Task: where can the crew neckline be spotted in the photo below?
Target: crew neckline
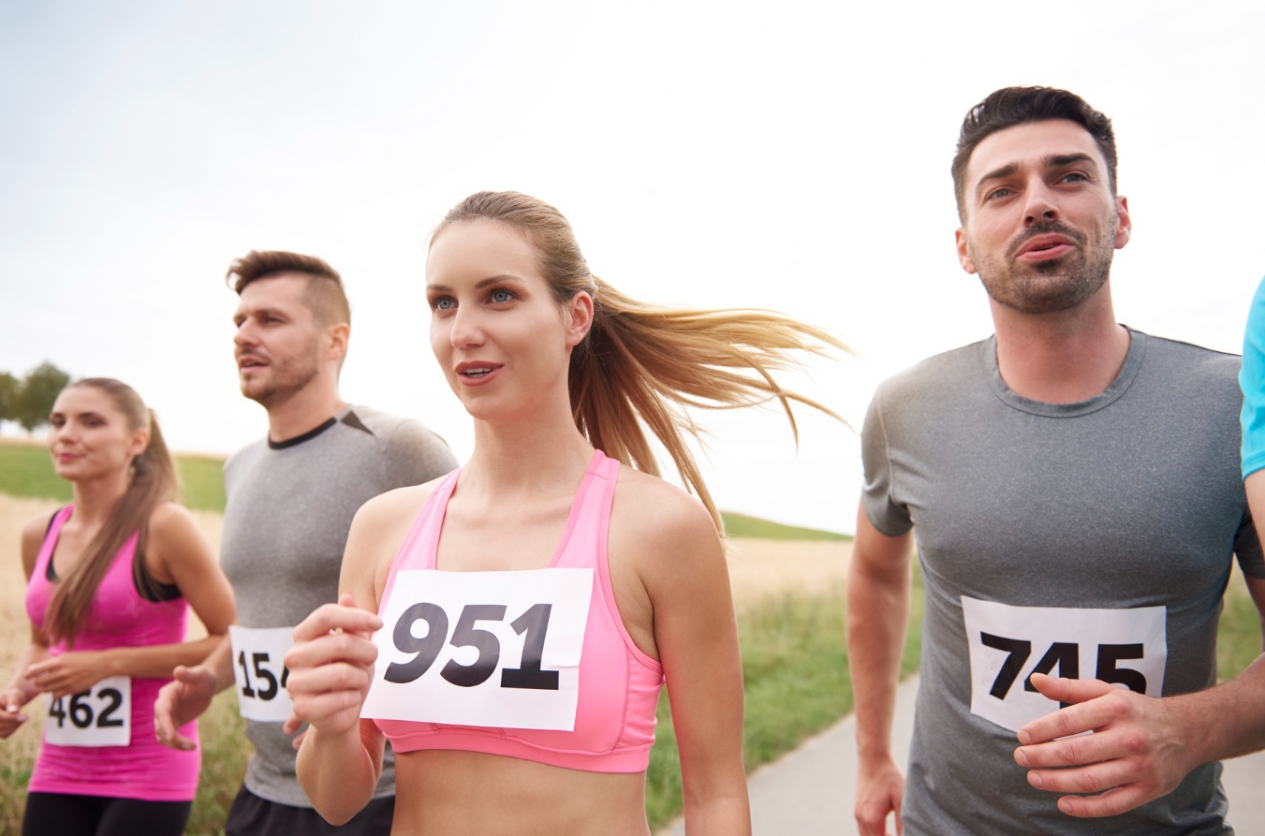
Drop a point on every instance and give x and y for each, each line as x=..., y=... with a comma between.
x=1124, y=379
x=307, y=436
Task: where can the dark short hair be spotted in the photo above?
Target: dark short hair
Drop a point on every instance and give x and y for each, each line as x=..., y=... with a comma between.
x=325, y=295
x=1012, y=106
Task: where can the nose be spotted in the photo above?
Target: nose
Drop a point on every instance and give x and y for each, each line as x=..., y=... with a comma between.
x=466, y=329
x=1040, y=205
x=244, y=336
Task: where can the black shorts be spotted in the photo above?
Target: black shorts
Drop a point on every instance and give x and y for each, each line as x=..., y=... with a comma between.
x=98, y=815
x=251, y=815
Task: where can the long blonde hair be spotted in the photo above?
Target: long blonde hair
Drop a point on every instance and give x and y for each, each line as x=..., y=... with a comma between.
x=646, y=364
x=152, y=480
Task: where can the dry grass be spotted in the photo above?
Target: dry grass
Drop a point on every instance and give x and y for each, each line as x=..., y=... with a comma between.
x=763, y=569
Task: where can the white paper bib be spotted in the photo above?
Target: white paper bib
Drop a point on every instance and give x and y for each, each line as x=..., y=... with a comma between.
x=100, y=716
x=498, y=649
x=259, y=668
x=1127, y=647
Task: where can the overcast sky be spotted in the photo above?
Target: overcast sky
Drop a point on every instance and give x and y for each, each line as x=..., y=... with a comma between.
x=785, y=155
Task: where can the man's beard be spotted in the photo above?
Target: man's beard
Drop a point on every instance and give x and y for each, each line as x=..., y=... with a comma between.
x=1056, y=285
x=285, y=381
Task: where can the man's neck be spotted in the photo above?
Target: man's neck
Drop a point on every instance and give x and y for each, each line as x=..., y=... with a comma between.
x=1063, y=357
x=306, y=410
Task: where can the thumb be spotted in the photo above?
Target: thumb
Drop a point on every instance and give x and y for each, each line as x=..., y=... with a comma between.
x=1070, y=691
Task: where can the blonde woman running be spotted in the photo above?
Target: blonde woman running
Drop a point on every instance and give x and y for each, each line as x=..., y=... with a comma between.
x=111, y=579
x=531, y=605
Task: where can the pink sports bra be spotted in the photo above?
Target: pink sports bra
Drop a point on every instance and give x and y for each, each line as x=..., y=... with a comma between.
x=619, y=685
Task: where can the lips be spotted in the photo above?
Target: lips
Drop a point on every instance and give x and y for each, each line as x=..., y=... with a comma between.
x=1046, y=245
x=474, y=372
x=250, y=361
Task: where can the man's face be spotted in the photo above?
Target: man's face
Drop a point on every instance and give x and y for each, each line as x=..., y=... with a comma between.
x=278, y=341
x=1040, y=219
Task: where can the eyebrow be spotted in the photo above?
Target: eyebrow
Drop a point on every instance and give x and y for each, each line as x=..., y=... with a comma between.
x=1051, y=161
x=482, y=283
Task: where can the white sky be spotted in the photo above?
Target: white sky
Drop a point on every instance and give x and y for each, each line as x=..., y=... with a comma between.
x=785, y=155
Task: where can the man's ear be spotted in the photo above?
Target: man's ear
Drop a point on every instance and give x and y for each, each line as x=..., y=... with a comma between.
x=578, y=313
x=336, y=337
x=964, y=254
x=1125, y=229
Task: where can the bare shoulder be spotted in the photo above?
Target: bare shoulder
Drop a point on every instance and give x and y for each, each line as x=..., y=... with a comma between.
x=32, y=538
x=659, y=522
x=394, y=504
x=170, y=518
x=377, y=531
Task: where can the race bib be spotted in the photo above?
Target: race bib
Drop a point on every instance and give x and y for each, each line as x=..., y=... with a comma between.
x=497, y=649
x=100, y=716
x=1127, y=647
x=260, y=671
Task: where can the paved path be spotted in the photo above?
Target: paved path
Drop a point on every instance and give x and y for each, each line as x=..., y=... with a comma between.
x=809, y=791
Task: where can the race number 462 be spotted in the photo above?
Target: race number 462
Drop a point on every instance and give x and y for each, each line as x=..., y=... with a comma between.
x=99, y=716
x=260, y=671
x=1007, y=644
x=497, y=649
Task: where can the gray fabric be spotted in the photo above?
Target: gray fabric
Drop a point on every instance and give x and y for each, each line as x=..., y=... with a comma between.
x=285, y=525
x=1130, y=499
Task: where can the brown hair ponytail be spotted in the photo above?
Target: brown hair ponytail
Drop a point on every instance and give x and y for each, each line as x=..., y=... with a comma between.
x=153, y=480
x=645, y=364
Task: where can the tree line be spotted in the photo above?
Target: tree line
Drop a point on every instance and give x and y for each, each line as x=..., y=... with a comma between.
x=29, y=400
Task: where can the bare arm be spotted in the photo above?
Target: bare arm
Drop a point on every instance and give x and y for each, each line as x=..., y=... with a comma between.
x=697, y=639
x=20, y=690
x=878, y=614
x=178, y=552
x=331, y=666
x=1142, y=746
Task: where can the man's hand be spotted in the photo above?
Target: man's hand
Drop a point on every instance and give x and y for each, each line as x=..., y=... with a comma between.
x=181, y=702
x=880, y=788
x=70, y=672
x=1137, y=751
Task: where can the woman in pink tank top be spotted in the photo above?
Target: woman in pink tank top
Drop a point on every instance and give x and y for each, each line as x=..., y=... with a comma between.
x=110, y=582
x=525, y=610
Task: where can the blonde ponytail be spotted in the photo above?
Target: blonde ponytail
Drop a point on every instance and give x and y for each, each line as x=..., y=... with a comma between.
x=642, y=364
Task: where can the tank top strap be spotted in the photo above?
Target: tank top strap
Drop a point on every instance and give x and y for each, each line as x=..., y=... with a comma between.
x=584, y=544
x=420, y=546
x=45, y=555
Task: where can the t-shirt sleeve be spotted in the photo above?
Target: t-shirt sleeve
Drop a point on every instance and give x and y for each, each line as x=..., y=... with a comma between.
x=885, y=513
x=416, y=455
x=1252, y=381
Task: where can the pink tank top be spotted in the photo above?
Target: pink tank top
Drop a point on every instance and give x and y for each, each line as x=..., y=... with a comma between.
x=619, y=685
x=117, y=617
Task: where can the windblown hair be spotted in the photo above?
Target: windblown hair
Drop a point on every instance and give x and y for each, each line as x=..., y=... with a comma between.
x=646, y=364
x=325, y=295
x=1012, y=106
x=152, y=480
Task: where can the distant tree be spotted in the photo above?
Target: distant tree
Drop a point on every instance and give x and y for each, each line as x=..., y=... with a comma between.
x=10, y=386
x=39, y=391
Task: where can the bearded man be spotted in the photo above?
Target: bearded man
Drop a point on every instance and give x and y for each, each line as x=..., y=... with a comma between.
x=291, y=497
x=1074, y=489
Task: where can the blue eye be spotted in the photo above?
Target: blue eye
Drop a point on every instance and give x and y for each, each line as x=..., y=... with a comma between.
x=444, y=303
x=501, y=296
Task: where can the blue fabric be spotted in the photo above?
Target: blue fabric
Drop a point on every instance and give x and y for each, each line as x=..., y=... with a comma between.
x=1252, y=381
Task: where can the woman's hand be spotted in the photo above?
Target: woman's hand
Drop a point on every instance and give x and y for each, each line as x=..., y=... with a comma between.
x=70, y=672
x=331, y=667
x=11, y=701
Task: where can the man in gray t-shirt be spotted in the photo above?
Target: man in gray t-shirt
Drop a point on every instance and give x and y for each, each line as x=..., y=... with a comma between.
x=1074, y=490
x=291, y=498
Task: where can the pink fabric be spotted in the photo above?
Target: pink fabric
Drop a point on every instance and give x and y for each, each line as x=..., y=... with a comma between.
x=118, y=617
x=619, y=685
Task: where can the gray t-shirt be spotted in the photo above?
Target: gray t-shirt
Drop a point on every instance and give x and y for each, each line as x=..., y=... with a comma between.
x=289, y=509
x=1131, y=499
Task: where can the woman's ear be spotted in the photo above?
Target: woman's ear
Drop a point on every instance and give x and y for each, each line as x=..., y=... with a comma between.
x=140, y=441
x=578, y=317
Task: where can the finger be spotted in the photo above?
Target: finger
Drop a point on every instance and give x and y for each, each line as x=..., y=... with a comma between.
x=899, y=824
x=1095, y=778
x=291, y=725
x=1060, y=689
x=336, y=617
x=318, y=708
x=337, y=676
x=1108, y=744
x=1111, y=803
x=1087, y=714
x=298, y=739
x=331, y=648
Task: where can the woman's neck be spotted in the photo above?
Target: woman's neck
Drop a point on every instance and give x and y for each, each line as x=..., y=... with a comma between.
x=95, y=499
x=524, y=457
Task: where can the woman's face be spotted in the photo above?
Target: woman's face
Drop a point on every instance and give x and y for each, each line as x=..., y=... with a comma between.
x=89, y=437
x=503, y=341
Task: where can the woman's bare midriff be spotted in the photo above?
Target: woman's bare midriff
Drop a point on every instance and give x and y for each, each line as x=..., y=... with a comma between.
x=450, y=793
